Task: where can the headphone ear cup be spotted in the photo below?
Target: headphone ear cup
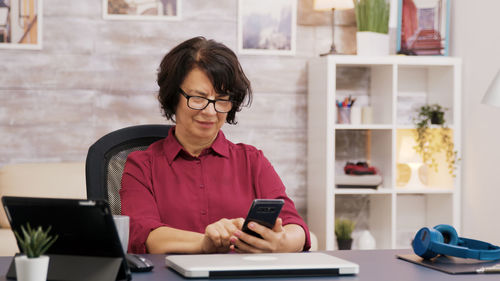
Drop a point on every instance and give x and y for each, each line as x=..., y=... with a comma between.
x=423, y=240
x=449, y=234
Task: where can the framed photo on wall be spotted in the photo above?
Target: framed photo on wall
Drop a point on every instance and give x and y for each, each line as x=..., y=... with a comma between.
x=423, y=27
x=21, y=24
x=267, y=27
x=141, y=9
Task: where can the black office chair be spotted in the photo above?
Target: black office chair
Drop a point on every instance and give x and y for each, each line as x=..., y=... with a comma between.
x=107, y=156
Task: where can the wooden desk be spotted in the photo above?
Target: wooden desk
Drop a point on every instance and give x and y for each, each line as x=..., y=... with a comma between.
x=375, y=265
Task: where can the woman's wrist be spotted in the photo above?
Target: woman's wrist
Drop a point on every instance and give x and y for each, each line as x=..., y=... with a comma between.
x=294, y=238
x=204, y=245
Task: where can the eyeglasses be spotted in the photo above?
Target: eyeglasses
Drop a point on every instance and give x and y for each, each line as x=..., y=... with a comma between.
x=200, y=103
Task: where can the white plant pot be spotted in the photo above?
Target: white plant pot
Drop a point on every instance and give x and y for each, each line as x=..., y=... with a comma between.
x=372, y=43
x=366, y=241
x=32, y=269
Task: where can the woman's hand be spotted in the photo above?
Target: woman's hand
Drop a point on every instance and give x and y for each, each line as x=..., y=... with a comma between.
x=289, y=238
x=217, y=235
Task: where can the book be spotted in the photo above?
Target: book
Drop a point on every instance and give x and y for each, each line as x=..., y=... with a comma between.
x=454, y=265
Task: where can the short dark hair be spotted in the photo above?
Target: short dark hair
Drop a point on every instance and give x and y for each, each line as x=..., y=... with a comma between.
x=217, y=61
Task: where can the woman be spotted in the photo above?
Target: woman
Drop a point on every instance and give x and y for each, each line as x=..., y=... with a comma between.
x=189, y=192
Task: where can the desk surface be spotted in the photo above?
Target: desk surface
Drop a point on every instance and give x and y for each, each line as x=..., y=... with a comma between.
x=374, y=265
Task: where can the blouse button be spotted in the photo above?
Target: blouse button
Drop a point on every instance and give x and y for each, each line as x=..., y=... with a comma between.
x=202, y=186
x=203, y=212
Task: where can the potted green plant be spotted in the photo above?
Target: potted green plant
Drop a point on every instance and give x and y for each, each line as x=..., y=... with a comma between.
x=372, y=19
x=33, y=265
x=431, y=141
x=343, y=232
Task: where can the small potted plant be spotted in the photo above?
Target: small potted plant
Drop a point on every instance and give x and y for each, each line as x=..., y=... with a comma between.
x=430, y=141
x=372, y=19
x=343, y=231
x=33, y=265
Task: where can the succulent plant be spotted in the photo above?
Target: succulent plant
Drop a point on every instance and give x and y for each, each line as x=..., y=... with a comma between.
x=372, y=15
x=344, y=228
x=35, y=242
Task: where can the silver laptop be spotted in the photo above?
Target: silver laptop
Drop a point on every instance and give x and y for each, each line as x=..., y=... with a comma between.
x=260, y=265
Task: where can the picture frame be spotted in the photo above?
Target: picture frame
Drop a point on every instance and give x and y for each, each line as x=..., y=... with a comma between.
x=267, y=27
x=141, y=9
x=21, y=23
x=423, y=27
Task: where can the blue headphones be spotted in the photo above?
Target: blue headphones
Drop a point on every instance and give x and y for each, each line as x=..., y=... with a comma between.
x=443, y=240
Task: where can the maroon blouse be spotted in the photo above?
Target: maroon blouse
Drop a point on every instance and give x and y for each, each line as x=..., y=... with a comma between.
x=165, y=186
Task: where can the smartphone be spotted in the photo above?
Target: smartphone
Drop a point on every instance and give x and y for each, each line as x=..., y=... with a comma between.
x=264, y=212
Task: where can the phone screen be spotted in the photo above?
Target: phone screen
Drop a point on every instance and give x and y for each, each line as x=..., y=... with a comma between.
x=264, y=212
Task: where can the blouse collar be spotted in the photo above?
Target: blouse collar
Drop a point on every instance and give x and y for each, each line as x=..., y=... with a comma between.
x=173, y=148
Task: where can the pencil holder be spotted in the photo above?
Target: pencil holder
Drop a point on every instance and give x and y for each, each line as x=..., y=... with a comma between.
x=343, y=115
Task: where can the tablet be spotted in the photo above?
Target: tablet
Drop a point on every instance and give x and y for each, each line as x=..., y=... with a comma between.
x=85, y=227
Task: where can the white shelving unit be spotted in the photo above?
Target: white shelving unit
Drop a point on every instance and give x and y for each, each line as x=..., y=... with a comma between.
x=395, y=212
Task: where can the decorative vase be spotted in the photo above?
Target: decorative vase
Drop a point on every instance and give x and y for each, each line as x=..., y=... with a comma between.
x=31, y=269
x=344, y=244
x=366, y=241
x=372, y=43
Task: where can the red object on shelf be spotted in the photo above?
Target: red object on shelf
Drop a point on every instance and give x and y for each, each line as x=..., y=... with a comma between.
x=360, y=168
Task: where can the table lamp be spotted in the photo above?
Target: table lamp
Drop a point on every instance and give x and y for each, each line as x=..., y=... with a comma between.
x=409, y=156
x=327, y=5
x=492, y=96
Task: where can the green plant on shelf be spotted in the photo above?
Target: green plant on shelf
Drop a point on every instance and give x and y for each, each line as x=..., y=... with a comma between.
x=344, y=228
x=372, y=15
x=431, y=141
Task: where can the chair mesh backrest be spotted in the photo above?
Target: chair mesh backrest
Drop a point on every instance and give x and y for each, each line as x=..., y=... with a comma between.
x=115, y=168
x=106, y=160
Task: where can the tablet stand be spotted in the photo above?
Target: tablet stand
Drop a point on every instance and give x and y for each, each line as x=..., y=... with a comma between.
x=79, y=268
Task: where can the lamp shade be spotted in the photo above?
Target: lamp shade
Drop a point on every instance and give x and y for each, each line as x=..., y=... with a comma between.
x=407, y=153
x=492, y=96
x=326, y=5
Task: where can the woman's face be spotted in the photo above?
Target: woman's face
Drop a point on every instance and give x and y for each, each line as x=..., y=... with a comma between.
x=198, y=125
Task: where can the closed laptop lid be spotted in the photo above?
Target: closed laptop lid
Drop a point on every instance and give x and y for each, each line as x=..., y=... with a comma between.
x=260, y=265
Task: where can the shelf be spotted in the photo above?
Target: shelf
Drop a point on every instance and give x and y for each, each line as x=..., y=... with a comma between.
x=363, y=127
x=424, y=191
x=424, y=61
x=361, y=60
x=412, y=127
x=394, y=87
x=390, y=191
x=362, y=191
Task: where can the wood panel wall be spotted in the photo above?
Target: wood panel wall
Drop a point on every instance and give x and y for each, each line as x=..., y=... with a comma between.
x=94, y=76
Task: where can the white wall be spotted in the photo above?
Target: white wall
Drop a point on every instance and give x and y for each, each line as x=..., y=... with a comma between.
x=475, y=36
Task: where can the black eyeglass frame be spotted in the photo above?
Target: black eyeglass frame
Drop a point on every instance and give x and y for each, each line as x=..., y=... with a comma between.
x=209, y=102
